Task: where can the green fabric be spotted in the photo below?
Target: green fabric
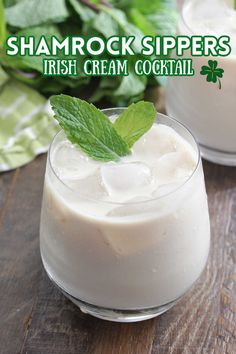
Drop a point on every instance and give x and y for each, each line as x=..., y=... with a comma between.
x=26, y=124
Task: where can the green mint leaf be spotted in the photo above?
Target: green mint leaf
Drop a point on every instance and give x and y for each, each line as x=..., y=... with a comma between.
x=86, y=14
x=88, y=127
x=28, y=62
x=135, y=121
x=36, y=12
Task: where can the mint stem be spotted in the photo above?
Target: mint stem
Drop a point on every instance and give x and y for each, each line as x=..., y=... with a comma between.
x=95, y=7
x=219, y=82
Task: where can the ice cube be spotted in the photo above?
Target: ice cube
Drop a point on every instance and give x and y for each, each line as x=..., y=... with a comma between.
x=174, y=167
x=126, y=180
x=90, y=186
x=71, y=163
x=160, y=140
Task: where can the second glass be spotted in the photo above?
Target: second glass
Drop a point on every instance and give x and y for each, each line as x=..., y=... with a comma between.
x=205, y=108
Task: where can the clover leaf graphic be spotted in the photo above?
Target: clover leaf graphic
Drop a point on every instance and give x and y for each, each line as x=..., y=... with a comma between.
x=213, y=72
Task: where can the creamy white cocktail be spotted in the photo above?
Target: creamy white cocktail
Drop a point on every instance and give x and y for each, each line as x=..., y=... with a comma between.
x=207, y=110
x=124, y=240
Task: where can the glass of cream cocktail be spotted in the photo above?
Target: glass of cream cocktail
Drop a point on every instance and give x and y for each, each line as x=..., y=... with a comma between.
x=125, y=240
x=205, y=108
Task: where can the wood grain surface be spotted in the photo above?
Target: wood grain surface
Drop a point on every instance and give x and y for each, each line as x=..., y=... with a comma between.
x=36, y=319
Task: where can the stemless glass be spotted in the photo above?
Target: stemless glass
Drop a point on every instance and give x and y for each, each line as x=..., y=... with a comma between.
x=207, y=110
x=125, y=262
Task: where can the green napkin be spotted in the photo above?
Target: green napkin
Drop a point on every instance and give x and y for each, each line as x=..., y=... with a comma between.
x=26, y=124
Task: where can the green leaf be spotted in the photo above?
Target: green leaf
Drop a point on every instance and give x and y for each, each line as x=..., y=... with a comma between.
x=89, y=128
x=84, y=12
x=131, y=85
x=8, y=3
x=105, y=24
x=135, y=121
x=35, y=12
x=163, y=22
x=127, y=28
x=31, y=62
x=105, y=88
x=158, y=18
x=121, y=91
x=142, y=22
x=152, y=7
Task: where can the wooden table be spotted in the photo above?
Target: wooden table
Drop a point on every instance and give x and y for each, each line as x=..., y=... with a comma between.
x=36, y=319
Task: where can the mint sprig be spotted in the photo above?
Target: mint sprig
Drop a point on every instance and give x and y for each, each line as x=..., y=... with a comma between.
x=134, y=121
x=90, y=129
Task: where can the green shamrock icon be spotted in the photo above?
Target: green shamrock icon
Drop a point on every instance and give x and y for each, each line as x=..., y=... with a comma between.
x=213, y=73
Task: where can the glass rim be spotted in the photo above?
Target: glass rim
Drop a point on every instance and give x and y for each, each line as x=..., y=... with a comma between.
x=142, y=202
x=183, y=7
